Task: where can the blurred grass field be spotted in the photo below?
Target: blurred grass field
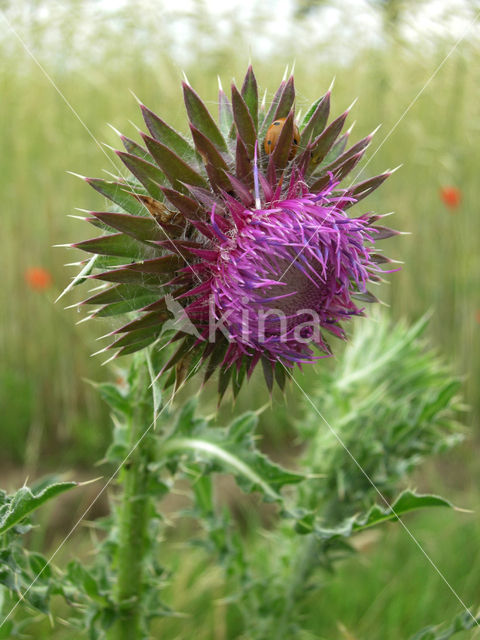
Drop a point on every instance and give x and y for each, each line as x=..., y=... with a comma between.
x=52, y=420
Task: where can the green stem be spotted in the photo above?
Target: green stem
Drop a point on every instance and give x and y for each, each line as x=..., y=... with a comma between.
x=305, y=564
x=133, y=517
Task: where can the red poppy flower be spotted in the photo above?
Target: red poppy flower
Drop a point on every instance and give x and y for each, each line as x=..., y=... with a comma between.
x=38, y=278
x=451, y=197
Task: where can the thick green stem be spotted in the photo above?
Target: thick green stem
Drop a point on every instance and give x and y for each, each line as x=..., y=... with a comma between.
x=133, y=522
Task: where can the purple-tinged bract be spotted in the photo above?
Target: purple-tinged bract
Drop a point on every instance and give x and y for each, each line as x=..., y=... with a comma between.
x=246, y=255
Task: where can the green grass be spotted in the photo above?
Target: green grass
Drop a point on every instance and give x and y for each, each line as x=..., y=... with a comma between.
x=51, y=419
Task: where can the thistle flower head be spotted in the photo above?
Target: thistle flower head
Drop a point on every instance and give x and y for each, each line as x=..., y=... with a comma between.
x=242, y=234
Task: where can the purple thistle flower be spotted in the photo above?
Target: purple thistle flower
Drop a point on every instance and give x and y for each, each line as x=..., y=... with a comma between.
x=256, y=249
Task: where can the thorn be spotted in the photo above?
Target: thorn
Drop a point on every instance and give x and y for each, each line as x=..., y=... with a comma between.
x=220, y=88
x=352, y=105
x=85, y=319
x=86, y=482
x=109, y=360
x=293, y=67
x=137, y=99
x=77, y=175
x=89, y=211
x=114, y=130
x=330, y=88
x=350, y=129
x=112, y=175
x=99, y=351
x=285, y=74
x=71, y=215
x=72, y=306
x=108, y=146
x=63, y=246
x=396, y=168
x=374, y=131
x=74, y=264
x=264, y=101
x=135, y=126
x=185, y=79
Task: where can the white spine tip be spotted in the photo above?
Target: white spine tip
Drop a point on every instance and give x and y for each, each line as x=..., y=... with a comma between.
x=350, y=129
x=114, y=129
x=185, y=79
x=136, y=98
x=220, y=88
x=77, y=175
x=353, y=104
x=332, y=84
x=89, y=317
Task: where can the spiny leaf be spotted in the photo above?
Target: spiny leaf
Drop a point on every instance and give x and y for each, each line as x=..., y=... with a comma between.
x=214, y=163
x=162, y=132
x=242, y=163
x=152, y=319
x=268, y=119
x=115, y=293
x=243, y=121
x=146, y=172
x=176, y=170
x=115, y=244
x=358, y=147
x=363, y=189
x=138, y=227
x=24, y=502
x=283, y=147
x=119, y=193
x=201, y=118
x=339, y=172
x=135, y=149
x=225, y=114
x=250, y=95
x=287, y=100
x=407, y=501
x=315, y=119
x=125, y=306
x=325, y=140
x=187, y=206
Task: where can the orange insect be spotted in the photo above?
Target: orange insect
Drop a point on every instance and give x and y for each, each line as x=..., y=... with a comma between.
x=273, y=135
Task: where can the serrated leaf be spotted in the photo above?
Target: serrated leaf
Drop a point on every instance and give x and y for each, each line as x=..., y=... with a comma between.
x=24, y=502
x=464, y=621
x=406, y=502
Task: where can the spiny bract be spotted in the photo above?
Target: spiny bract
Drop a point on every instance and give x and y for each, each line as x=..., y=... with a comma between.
x=248, y=245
